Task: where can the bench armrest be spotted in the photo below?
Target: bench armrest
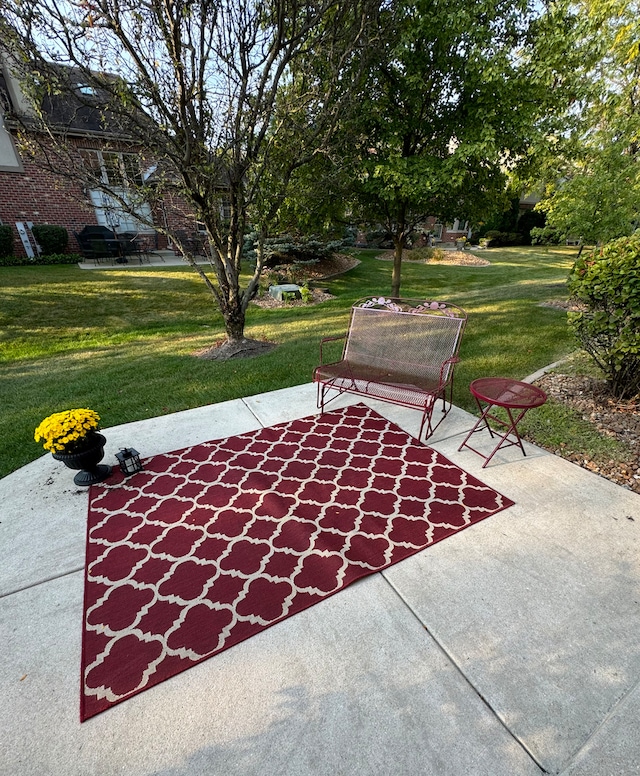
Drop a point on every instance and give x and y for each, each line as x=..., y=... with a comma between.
x=445, y=364
x=330, y=339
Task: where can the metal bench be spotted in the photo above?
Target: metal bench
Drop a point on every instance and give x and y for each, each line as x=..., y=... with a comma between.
x=398, y=350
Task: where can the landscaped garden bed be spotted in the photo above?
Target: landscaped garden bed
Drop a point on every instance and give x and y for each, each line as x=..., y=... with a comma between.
x=439, y=256
x=593, y=429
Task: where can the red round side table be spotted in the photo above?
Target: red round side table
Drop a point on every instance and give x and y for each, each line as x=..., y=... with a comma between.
x=512, y=395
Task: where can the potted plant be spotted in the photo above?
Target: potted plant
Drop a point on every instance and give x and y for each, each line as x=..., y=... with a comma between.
x=72, y=437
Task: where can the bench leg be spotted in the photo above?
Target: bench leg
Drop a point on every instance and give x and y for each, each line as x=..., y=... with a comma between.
x=323, y=389
x=320, y=397
x=427, y=415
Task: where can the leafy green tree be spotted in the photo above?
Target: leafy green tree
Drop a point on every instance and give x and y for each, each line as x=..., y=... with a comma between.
x=447, y=109
x=591, y=161
x=222, y=97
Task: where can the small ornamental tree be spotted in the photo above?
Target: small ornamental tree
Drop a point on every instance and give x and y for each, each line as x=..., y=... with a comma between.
x=590, y=159
x=607, y=283
x=223, y=101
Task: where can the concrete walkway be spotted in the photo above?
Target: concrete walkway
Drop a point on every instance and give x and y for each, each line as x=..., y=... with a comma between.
x=152, y=259
x=509, y=649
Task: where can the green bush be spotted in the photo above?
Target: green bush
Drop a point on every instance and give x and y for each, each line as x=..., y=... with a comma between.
x=546, y=235
x=286, y=250
x=52, y=239
x=499, y=239
x=54, y=258
x=60, y=258
x=6, y=241
x=306, y=293
x=14, y=261
x=495, y=237
x=426, y=254
x=607, y=282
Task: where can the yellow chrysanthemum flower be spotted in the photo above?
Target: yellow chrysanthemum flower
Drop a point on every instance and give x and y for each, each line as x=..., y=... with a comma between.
x=63, y=430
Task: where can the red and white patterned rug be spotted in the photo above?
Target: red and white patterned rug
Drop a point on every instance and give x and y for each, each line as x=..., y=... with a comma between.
x=211, y=544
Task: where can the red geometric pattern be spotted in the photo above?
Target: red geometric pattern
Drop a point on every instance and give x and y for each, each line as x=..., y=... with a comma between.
x=211, y=544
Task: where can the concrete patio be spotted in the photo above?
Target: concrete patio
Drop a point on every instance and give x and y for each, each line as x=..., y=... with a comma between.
x=511, y=648
x=160, y=258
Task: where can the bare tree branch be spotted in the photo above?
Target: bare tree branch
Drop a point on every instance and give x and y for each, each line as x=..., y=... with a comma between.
x=226, y=98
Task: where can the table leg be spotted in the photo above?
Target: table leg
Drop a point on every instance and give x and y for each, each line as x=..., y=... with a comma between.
x=512, y=428
x=482, y=419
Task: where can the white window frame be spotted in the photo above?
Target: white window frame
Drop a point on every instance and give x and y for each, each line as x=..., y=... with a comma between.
x=108, y=210
x=225, y=208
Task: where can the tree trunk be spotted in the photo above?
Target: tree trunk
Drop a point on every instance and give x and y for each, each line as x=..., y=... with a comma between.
x=236, y=345
x=234, y=320
x=398, y=244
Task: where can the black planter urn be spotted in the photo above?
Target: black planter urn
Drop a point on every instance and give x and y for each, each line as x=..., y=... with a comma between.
x=87, y=458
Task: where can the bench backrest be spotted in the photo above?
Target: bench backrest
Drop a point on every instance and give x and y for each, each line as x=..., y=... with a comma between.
x=407, y=336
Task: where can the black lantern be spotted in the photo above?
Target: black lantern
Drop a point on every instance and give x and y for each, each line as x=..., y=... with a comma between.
x=129, y=460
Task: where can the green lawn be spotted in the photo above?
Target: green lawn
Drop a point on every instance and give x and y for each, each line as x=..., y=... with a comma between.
x=122, y=342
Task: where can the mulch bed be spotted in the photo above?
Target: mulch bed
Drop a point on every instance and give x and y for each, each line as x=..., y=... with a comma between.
x=618, y=419
x=324, y=270
x=451, y=258
x=268, y=302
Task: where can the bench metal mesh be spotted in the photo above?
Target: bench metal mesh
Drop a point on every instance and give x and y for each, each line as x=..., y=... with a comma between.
x=401, y=350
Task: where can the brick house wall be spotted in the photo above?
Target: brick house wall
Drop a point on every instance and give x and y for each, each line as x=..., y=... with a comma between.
x=37, y=195
x=446, y=233
x=41, y=197
x=31, y=193
x=175, y=214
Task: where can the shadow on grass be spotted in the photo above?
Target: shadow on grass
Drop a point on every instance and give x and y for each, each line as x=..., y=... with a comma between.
x=123, y=343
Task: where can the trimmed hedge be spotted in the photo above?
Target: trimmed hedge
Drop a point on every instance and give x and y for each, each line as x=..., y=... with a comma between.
x=53, y=258
x=546, y=235
x=6, y=241
x=52, y=239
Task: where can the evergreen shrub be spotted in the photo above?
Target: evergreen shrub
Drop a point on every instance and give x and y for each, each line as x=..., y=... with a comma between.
x=6, y=241
x=499, y=239
x=287, y=249
x=52, y=239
